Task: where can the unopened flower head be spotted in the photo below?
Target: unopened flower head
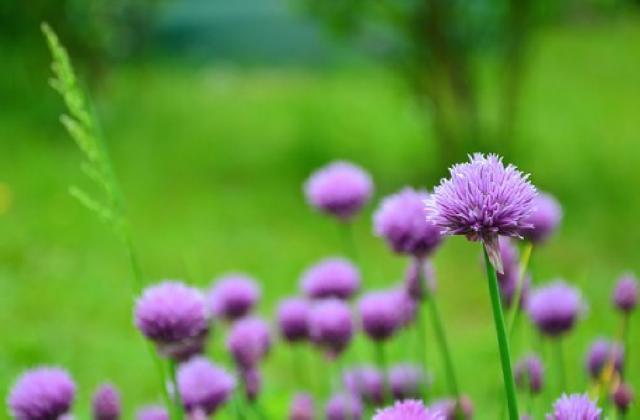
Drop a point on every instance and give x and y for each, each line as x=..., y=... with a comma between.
x=344, y=407
x=601, y=353
x=233, y=296
x=366, y=382
x=331, y=325
x=417, y=290
x=625, y=295
x=43, y=393
x=407, y=381
x=331, y=277
x=529, y=374
x=339, y=189
x=152, y=412
x=380, y=314
x=544, y=219
x=573, y=407
x=203, y=386
x=408, y=410
x=249, y=341
x=555, y=308
x=623, y=397
x=106, y=404
x=401, y=222
x=302, y=407
x=293, y=319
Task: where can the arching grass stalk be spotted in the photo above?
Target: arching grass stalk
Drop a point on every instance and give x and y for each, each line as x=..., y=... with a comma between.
x=82, y=125
x=503, y=342
x=517, y=297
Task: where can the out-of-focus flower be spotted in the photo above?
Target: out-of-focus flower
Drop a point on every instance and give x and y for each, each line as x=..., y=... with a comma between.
x=380, y=314
x=106, y=403
x=401, y=222
x=302, y=407
x=152, y=412
x=339, y=189
x=555, y=308
x=365, y=382
x=248, y=342
x=331, y=277
x=233, y=296
x=448, y=408
x=545, y=218
x=625, y=295
x=408, y=410
x=416, y=290
x=575, y=406
x=331, y=325
x=623, y=397
x=601, y=353
x=344, y=407
x=42, y=393
x=407, y=381
x=293, y=319
x=529, y=374
x=203, y=385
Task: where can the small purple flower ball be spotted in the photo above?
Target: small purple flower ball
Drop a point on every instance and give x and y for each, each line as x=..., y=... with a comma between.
x=401, y=222
x=106, y=403
x=331, y=325
x=344, y=407
x=172, y=315
x=416, y=290
x=408, y=410
x=601, y=353
x=622, y=397
x=555, y=308
x=152, y=412
x=380, y=314
x=339, y=189
x=293, y=319
x=43, y=393
x=575, y=406
x=406, y=381
x=233, y=296
x=365, y=382
x=248, y=342
x=447, y=407
x=529, y=374
x=302, y=407
x=203, y=385
x=545, y=218
x=625, y=295
x=331, y=277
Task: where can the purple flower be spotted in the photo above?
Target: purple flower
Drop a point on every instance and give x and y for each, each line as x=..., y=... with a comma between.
x=248, y=342
x=172, y=315
x=600, y=354
x=365, y=382
x=545, y=218
x=412, y=281
x=331, y=277
x=203, y=385
x=574, y=407
x=622, y=397
x=406, y=381
x=448, y=408
x=344, y=407
x=43, y=393
x=554, y=308
x=106, y=403
x=152, y=412
x=339, y=189
x=302, y=407
x=400, y=221
x=408, y=410
x=381, y=314
x=529, y=374
x=331, y=325
x=483, y=199
x=625, y=295
x=233, y=296
x=293, y=319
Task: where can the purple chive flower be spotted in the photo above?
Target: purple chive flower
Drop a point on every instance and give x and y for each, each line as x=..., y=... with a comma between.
x=331, y=325
x=408, y=410
x=622, y=397
x=339, y=189
x=152, y=412
x=482, y=200
x=447, y=407
x=625, y=295
x=203, y=386
x=407, y=306
x=344, y=407
x=529, y=374
x=331, y=277
x=43, y=393
x=365, y=382
x=173, y=316
x=252, y=379
x=400, y=221
x=601, y=353
x=233, y=296
x=554, y=308
x=381, y=314
x=416, y=290
x=545, y=219
x=248, y=342
x=106, y=403
x=293, y=319
x=407, y=381
x=575, y=407
x=302, y=407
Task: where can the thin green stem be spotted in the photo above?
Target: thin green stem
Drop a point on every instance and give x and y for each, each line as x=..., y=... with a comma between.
x=626, y=318
x=421, y=328
x=562, y=374
x=349, y=241
x=517, y=297
x=503, y=342
x=176, y=408
x=381, y=361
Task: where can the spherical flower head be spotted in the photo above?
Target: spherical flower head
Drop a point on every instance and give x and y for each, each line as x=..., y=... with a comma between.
x=233, y=296
x=544, y=219
x=172, y=315
x=408, y=410
x=623, y=397
x=42, y=393
x=625, y=295
x=248, y=342
x=555, y=308
x=529, y=374
x=339, y=189
x=344, y=407
x=401, y=222
x=106, y=403
x=152, y=412
x=416, y=290
x=302, y=407
x=380, y=314
x=331, y=277
x=293, y=319
x=448, y=408
x=575, y=407
x=365, y=382
x=331, y=325
x=483, y=199
x=203, y=385
x=406, y=381
x=600, y=354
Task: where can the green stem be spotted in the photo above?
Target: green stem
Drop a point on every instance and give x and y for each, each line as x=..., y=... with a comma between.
x=381, y=361
x=421, y=328
x=517, y=297
x=562, y=374
x=625, y=342
x=349, y=241
x=176, y=407
x=503, y=343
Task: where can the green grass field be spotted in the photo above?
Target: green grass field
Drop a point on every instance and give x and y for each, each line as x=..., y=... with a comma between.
x=212, y=160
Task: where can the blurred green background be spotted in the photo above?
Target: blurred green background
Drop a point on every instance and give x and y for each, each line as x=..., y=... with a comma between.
x=215, y=112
